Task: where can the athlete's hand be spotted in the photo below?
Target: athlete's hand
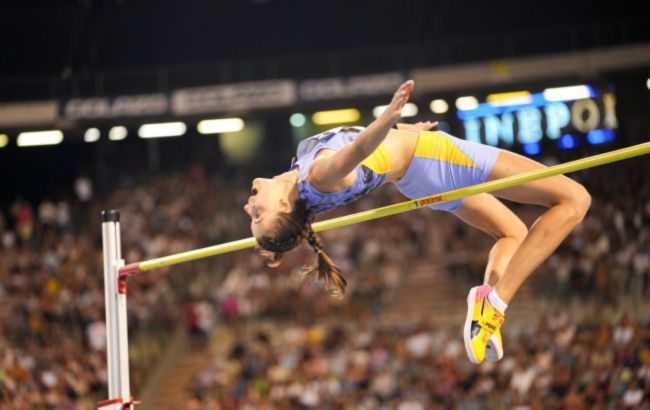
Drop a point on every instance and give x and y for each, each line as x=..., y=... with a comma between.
x=420, y=126
x=394, y=110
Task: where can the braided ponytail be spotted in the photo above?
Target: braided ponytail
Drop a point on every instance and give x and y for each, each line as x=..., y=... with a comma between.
x=324, y=268
x=273, y=259
x=288, y=232
x=272, y=248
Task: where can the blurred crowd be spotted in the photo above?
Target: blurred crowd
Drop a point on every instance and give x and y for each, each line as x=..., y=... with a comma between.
x=599, y=362
x=52, y=339
x=53, y=335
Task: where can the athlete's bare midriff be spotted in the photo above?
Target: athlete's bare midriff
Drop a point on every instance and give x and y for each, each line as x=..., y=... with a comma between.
x=401, y=146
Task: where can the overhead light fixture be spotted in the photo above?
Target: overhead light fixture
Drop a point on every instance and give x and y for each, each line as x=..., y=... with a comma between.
x=567, y=141
x=574, y=92
x=117, y=133
x=4, y=140
x=297, y=120
x=599, y=136
x=439, y=106
x=348, y=115
x=219, y=126
x=467, y=103
x=532, y=148
x=506, y=96
x=162, y=130
x=409, y=110
x=647, y=83
x=91, y=135
x=511, y=98
x=35, y=138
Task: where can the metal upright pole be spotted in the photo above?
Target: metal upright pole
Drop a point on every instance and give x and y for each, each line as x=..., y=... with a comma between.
x=117, y=345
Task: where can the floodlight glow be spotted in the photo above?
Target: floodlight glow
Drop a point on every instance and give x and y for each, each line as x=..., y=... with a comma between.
x=219, y=126
x=347, y=115
x=575, y=92
x=35, y=138
x=467, y=103
x=511, y=98
x=409, y=110
x=506, y=96
x=567, y=141
x=378, y=110
x=439, y=106
x=297, y=120
x=117, y=133
x=600, y=136
x=92, y=135
x=4, y=140
x=162, y=130
x=532, y=148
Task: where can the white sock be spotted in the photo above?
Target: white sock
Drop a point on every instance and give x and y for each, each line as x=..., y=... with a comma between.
x=496, y=301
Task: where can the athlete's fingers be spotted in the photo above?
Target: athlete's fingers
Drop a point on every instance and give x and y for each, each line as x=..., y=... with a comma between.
x=407, y=86
x=400, y=98
x=404, y=89
x=427, y=125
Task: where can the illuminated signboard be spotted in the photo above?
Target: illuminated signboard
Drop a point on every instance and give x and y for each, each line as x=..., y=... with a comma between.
x=567, y=115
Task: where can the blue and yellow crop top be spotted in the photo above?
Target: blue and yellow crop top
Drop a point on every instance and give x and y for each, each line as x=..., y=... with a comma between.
x=370, y=174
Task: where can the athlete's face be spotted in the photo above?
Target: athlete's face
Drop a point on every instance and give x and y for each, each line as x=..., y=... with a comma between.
x=268, y=198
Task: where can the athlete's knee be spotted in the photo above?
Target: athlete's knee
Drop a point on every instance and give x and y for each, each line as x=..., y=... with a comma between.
x=518, y=231
x=582, y=200
x=578, y=203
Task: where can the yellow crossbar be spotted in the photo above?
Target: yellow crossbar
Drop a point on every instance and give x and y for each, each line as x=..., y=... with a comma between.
x=577, y=165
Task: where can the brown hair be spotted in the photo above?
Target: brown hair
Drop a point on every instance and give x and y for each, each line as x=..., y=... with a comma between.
x=288, y=231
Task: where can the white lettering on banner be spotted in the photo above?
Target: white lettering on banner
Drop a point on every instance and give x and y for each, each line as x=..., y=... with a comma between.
x=137, y=105
x=472, y=129
x=88, y=108
x=558, y=116
x=123, y=106
x=527, y=123
x=496, y=129
x=234, y=97
x=530, y=125
x=356, y=86
x=585, y=115
x=610, y=120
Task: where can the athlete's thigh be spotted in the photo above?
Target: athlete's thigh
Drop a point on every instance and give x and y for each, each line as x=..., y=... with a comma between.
x=487, y=213
x=546, y=192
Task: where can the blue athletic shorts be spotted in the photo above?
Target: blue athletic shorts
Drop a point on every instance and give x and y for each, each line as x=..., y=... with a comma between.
x=442, y=163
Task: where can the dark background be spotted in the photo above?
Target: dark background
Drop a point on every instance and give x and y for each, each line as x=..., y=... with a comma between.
x=63, y=49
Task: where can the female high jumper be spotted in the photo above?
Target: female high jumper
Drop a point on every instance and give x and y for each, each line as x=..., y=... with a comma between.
x=343, y=164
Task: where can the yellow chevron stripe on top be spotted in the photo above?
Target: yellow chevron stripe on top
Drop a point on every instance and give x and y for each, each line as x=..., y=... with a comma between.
x=433, y=144
x=379, y=160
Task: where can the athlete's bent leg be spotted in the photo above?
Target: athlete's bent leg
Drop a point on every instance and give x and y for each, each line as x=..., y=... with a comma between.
x=487, y=213
x=568, y=202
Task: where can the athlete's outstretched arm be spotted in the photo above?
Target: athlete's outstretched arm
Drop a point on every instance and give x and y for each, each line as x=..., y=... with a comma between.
x=327, y=171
